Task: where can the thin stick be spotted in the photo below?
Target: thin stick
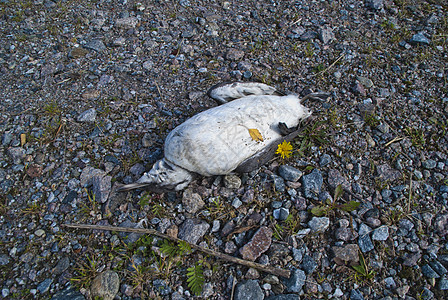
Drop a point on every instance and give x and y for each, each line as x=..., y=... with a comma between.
x=395, y=139
x=330, y=66
x=268, y=269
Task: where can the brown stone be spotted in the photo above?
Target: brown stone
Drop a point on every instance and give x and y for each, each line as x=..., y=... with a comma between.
x=260, y=243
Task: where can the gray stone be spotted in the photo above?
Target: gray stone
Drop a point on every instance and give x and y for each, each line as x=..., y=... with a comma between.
x=137, y=170
x=308, y=35
x=312, y=183
x=105, y=285
x=326, y=34
x=232, y=181
x=324, y=160
x=101, y=187
x=279, y=183
x=96, y=45
x=411, y=259
x=335, y=178
x=364, y=241
x=87, y=174
x=44, y=286
x=375, y=4
x=281, y=213
x=68, y=294
x=390, y=283
x=16, y=154
x=347, y=253
x=289, y=173
x=192, y=230
x=236, y=202
x=438, y=267
x=429, y=272
x=429, y=164
x=345, y=234
x=443, y=284
x=419, y=39
x=4, y=259
x=317, y=224
x=308, y=264
x=131, y=237
x=380, y=234
x=284, y=297
x=192, y=201
x=387, y=173
x=126, y=23
x=367, y=82
x=87, y=116
x=356, y=295
x=234, y=54
x=248, y=290
x=260, y=243
x=61, y=266
x=296, y=282
x=297, y=254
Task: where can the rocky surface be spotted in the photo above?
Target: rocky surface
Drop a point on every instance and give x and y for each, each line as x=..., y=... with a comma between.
x=90, y=89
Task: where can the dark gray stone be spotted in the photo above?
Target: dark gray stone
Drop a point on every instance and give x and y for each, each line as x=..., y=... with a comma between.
x=289, y=173
x=429, y=272
x=162, y=287
x=443, y=284
x=375, y=4
x=279, y=183
x=429, y=164
x=87, y=116
x=419, y=39
x=192, y=230
x=324, y=160
x=296, y=282
x=438, y=267
x=281, y=213
x=312, y=183
x=105, y=285
x=317, y=224
x=44, y=286
x=96, y=45
x=248, y=290
x=364, y=241
x=308, y=264
x=356, y=295
x=284, y=297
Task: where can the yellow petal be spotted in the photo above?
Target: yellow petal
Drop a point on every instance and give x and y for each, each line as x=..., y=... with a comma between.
x=255, y=135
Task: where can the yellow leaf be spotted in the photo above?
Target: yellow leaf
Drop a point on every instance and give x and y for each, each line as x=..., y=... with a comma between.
x=22, y=139
x=255, y=135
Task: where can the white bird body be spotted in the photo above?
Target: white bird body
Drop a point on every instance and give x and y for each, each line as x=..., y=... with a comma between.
x=217, y=141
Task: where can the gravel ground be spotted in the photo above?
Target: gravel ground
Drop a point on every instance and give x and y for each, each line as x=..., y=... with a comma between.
x=90, y=90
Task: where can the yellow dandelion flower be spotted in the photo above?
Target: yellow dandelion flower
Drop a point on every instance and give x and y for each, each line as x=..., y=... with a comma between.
x=284, y=149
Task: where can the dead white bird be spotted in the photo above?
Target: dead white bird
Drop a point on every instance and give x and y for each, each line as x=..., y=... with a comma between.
x=218, y=141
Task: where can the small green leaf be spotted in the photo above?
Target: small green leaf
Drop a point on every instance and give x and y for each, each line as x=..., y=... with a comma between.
x=350, y=206
x=338, y=192
x=359, y=269
x=319, y=211
x=195, y=279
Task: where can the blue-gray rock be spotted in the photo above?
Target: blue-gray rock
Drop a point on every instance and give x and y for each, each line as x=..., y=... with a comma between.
x=279, y=183
x=375, y=4
x=308, y=35
x=308, y=264
x=326, y=35
x=429, y=164
x=356, y=295
x=390, y=283
x=61, y=266
x=429, y=272
x=295, y=283
x=289, y=173
x=335, y=178
x=96, y=45
x=317, y=224
x=297, y=254
x=438, y=267
x=137, y=170
x=380, y=234
x=131, y=237
x=248, y=290
x=386, y=173
x=324, y=160
x=347, y=253
x=101, y=187
x=443, y=284
x=7, y=138
x=44, y=286
x=419, y=39
x=4, y=259
x=192, y=230
x=16, y=154
x=405, y=226
x=88, y=116
x=364, y=241
x=105, y=285
x=312, y=183
x=68, y=294
x=281, y=213
x=162, y=287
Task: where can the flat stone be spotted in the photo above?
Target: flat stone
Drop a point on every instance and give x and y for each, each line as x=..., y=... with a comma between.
x=308, y=264
x=438, y=267
x=429, y=272
x=443, y=284
x=289, y=173
x=87, y=116
x=296, y=282
x=325, y=34
x=260, y=243
x=345, y=234
x=284, y=297
x=126, y=23
x=324, y=160
x=312, y=183
x=419, y=39
x=308, y=35
x=317, y=224
x=366, y=82
x=96, y=45
x=234, y=54
x=61, y=266
x=281, y=214
x=87, y=174
x=387, y=173
x=101, y=187
x=105, y=285
x=77, y=52
x=335, y=178
x=16, y=154
x=248, y=290
x=192, y=230
x=381, y=233
x=411, y=259
x=356, y=295
x=192, y=202
x=162, y=287
x=429, y=164
x=364, y=241
x=279, y=183
x=44, y=286
x=375, y=4
x=347, y=253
